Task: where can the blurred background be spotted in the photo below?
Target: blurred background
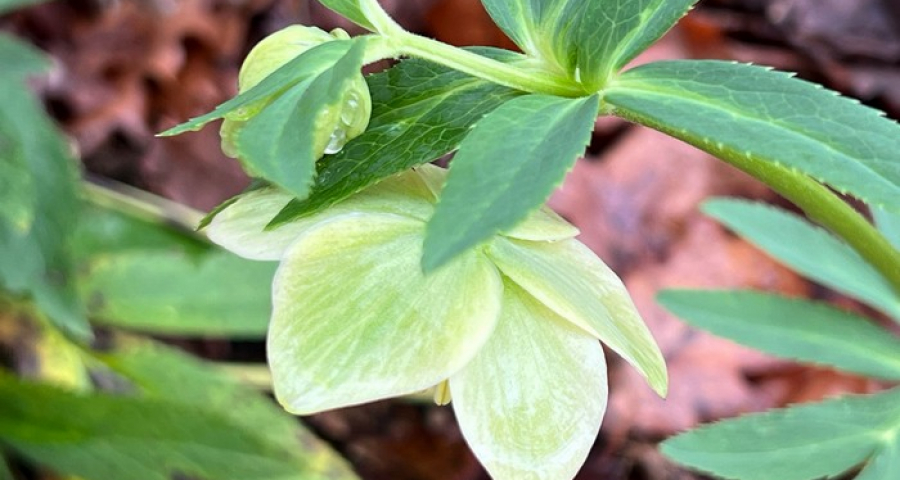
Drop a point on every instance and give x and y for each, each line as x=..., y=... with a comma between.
x=124, y=70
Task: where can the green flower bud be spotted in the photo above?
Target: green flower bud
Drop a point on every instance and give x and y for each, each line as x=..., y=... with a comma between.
x=335, y=127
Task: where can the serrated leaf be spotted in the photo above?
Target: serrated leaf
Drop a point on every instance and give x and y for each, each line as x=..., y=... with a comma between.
x=823, y=257
x=745, y=112
x=164, y=373
x=170, y=293
x=279, y=144
x=588, y=40
x=99, y=436
x=43, y=208
x=350, y=9
x=420, y=111
x=888, y=224
x=799, y=443
x=505, y=169
x=790, y=328
x=310, y=63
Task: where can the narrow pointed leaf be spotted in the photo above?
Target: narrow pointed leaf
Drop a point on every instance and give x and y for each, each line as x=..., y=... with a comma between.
x=351, y=9
x=804, y=442
x=355, y=320
x=311, y=63
x=823, y=257
x=279, y=143
x=505, y=169
x=165, y=373
x=794, y=329
x=101, y=436
x=169, y=293
x=569, y=279
x=531, y=402
x=745, y=112
x=588, y=40
x=420, y=111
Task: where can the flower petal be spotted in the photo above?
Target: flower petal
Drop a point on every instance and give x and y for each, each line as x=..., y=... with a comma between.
x=355, y=320
x=531, y=403
x=543, y=225
x=568, y=278
x=241, y=227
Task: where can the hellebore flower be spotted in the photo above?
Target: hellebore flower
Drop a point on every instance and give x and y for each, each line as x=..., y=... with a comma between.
x=338, y=126
x=510, y=328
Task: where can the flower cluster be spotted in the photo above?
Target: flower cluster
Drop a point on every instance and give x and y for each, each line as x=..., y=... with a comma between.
x=509, y=330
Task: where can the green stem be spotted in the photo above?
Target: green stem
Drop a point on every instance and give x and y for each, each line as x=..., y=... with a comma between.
x=547, y=82
x=828, y=209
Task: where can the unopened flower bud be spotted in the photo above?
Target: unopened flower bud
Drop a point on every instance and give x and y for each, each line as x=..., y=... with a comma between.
x=335, y=126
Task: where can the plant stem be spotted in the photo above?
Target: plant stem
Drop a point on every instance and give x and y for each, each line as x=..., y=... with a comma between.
x=828, y=209
x=547, y=82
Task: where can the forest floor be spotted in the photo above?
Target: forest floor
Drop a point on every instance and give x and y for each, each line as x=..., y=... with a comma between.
x=129, y=69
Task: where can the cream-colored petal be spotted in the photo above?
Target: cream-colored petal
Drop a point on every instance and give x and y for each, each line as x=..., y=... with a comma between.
x=531, y=403
x=543, y=225
x=355, y=320
x=241, y=228
x=570, y=279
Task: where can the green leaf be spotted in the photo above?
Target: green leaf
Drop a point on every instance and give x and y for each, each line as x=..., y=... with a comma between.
x=99, y=436
x=506, y=168
x=889, y=225
x=420, y=111
x=18, y=58
x=799, y=443
x=589, y=40
x=10, y=5
x=351, y=9
x=171, y=293
x=279, y=144
x=795, y=329
x=42, y=205
x=744, y=112
x=5, y=472
x=309, y=64
x=167, y=374
x=822, y=257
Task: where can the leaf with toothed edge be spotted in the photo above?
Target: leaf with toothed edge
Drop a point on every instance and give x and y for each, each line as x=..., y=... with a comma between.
x=588, y=40
x=746, y=112
x=420, y=111
x=804, y=442
x=506, y=168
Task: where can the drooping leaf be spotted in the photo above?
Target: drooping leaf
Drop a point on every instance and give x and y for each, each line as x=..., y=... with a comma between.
x=164, y=373
x=420, y=112
x=101, y=436
x=309, y=64
x=749, y=113
x=822, y=257
x=505, y=169
x=889, y=224
x=351, y=9
x=799, y=443
x=40, y=204
x=790, y=328
x=279, y=144
x=588, y=40
x=539, y=381
x=163, y=292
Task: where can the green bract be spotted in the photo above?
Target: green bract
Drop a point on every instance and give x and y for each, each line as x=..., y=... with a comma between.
x=334, y=126
x=512, y=326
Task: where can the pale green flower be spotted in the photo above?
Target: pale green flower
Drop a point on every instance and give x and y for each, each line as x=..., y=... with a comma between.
x=510, y=327
x=337, y=126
